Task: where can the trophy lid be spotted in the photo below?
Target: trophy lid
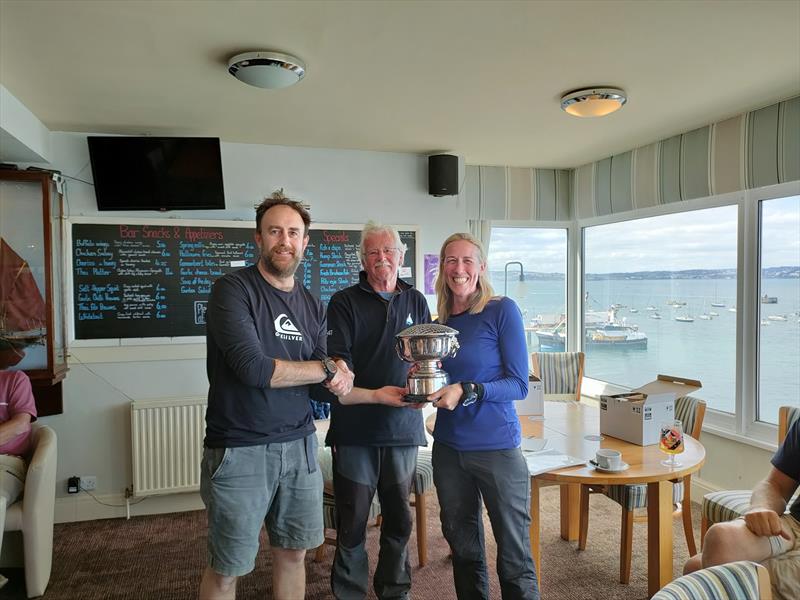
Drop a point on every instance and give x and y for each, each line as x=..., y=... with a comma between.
x=427, y=330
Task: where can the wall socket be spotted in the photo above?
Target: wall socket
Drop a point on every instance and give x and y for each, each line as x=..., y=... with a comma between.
x=88, y=482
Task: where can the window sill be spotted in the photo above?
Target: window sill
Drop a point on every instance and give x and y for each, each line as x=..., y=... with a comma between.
x=740, y=438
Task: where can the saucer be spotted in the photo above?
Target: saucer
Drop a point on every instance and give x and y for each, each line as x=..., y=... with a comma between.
x=625, y=466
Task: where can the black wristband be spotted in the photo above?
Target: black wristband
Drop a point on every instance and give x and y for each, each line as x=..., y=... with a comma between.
x=470, y=392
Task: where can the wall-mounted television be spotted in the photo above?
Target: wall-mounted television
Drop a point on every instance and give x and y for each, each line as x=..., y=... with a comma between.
x=156, y=173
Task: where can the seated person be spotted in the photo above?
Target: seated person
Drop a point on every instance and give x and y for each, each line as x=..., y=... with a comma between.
x=17, y=410
x=764, y=533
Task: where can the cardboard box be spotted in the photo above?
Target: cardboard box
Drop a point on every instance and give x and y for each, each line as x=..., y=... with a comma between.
x=533, y=404
x=636, y=416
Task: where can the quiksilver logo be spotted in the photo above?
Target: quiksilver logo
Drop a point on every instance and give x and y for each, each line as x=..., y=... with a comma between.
x=286, y=330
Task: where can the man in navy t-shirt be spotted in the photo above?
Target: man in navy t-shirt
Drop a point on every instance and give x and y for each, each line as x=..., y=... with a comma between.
x=266, y=344
x=766, y=530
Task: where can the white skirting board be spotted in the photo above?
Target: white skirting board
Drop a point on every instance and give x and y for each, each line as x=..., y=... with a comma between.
x=82, y=507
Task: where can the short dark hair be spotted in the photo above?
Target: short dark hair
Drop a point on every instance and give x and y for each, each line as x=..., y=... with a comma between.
x=277, y=198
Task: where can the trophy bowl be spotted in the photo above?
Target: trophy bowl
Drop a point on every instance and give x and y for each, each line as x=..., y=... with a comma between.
x=425, y=345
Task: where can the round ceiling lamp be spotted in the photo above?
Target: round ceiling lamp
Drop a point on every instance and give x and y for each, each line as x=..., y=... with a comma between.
x=593, y=102
x=266, y=69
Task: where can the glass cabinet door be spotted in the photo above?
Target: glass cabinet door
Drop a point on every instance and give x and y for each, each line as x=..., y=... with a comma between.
x=32, y=325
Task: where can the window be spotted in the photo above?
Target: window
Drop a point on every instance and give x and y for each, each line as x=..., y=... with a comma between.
x=659, y=297
x=779, y=307
x=529, y=265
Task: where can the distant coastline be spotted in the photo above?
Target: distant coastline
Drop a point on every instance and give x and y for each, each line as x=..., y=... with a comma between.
x=768, y=273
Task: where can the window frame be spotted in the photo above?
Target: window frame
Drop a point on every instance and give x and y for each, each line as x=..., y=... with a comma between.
x=740, y=426
x=570, y=277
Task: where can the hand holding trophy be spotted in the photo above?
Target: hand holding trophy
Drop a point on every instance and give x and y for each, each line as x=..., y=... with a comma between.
x=424, y=346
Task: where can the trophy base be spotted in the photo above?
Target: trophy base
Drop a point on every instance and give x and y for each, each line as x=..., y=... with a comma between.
x=415, y=398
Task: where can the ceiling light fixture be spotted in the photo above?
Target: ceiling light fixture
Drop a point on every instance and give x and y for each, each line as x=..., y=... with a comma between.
x=267, y=69
x=593, y=102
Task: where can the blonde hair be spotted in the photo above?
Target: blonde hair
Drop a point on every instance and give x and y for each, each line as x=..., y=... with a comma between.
x=483, y=291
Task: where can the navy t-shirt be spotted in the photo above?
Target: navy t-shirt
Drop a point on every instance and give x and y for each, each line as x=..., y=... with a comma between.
x=787, y=461
x=249, y=325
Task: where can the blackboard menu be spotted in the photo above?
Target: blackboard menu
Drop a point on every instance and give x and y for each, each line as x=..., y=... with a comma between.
x=138, y=281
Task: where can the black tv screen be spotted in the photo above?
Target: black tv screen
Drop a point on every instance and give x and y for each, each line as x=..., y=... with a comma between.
x=156, y=173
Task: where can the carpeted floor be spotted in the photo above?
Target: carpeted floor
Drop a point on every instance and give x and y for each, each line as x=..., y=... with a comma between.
x=161, y=557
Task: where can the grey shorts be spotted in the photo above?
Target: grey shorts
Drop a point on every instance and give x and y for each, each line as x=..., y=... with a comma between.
x=279, y=485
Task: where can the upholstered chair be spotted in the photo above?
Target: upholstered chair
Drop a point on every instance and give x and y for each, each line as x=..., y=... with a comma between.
x=691, y=412
x=561, y=374
x=29, y=521
x=743, y=580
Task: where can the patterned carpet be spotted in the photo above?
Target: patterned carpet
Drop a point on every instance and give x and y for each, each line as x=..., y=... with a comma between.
x=160, y=557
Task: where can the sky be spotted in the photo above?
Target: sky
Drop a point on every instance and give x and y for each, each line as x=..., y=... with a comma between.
x=701, y=239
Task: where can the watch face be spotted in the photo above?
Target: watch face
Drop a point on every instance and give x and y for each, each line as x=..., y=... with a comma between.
x=330, y=368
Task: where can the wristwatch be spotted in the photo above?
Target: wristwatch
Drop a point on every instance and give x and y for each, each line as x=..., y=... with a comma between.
x=469, y=392
x=330, y=368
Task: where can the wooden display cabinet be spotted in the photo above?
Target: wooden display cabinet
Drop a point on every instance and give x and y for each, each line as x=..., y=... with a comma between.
x=32, y=308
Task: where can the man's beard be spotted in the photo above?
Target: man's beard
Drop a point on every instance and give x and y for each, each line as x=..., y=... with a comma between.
x=277, y=270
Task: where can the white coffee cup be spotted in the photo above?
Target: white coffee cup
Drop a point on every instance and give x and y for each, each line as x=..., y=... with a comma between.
x=608, y=459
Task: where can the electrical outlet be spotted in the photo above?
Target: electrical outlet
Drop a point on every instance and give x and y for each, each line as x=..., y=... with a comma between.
x=88, y=482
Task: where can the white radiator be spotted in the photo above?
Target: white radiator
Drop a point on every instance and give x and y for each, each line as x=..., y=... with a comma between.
x=167, y=445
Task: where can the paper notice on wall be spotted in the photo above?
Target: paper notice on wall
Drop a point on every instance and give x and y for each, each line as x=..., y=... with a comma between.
x=405, y=272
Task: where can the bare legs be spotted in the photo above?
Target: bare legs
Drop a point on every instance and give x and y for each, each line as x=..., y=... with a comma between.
x=728, y=542
x=288, y=578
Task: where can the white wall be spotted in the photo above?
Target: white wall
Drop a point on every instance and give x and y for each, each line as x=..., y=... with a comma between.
x=341, y=186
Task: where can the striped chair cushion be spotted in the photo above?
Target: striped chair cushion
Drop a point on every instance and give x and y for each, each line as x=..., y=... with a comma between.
x=635, y=496
x=686, y=412
x=726, y=505
x=423, y=479
x=559, y=371
x=732, y=581
x=328, y=510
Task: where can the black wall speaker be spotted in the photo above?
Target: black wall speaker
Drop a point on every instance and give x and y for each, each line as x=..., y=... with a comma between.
x=443, y=175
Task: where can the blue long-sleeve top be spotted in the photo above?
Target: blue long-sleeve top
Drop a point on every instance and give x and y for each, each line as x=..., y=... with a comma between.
x=493, y=352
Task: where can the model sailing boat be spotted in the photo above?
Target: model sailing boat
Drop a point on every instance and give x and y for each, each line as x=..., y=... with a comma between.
x=22, y=308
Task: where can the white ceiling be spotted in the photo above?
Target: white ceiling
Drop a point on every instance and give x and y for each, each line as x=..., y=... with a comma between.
x=478, y=79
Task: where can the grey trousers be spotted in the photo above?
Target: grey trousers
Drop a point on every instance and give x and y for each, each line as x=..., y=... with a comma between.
x=358, y=472
x=500, y=479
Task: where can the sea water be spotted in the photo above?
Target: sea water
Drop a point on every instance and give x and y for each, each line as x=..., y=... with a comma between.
x=702, y=349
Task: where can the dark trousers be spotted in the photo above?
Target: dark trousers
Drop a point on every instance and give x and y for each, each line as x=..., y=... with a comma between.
x=500, y=478
x=358, y=472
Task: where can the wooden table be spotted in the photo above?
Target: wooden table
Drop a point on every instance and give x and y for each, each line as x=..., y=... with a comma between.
x=565, y=426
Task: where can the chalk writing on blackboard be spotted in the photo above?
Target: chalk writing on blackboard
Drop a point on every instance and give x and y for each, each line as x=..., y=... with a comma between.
x=154, y=280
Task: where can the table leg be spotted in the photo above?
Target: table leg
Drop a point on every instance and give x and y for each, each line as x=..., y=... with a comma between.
x=659, y=535
x=534, y=529
x=570, y=511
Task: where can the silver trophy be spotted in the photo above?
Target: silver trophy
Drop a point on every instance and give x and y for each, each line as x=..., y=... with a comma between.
x=425, y=345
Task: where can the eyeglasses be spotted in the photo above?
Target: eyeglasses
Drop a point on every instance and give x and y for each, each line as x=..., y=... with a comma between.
x=375, y=252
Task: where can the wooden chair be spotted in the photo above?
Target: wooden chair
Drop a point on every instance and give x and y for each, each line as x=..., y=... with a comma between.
x=728, y=505
x=691, y=412
x=561, y=373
